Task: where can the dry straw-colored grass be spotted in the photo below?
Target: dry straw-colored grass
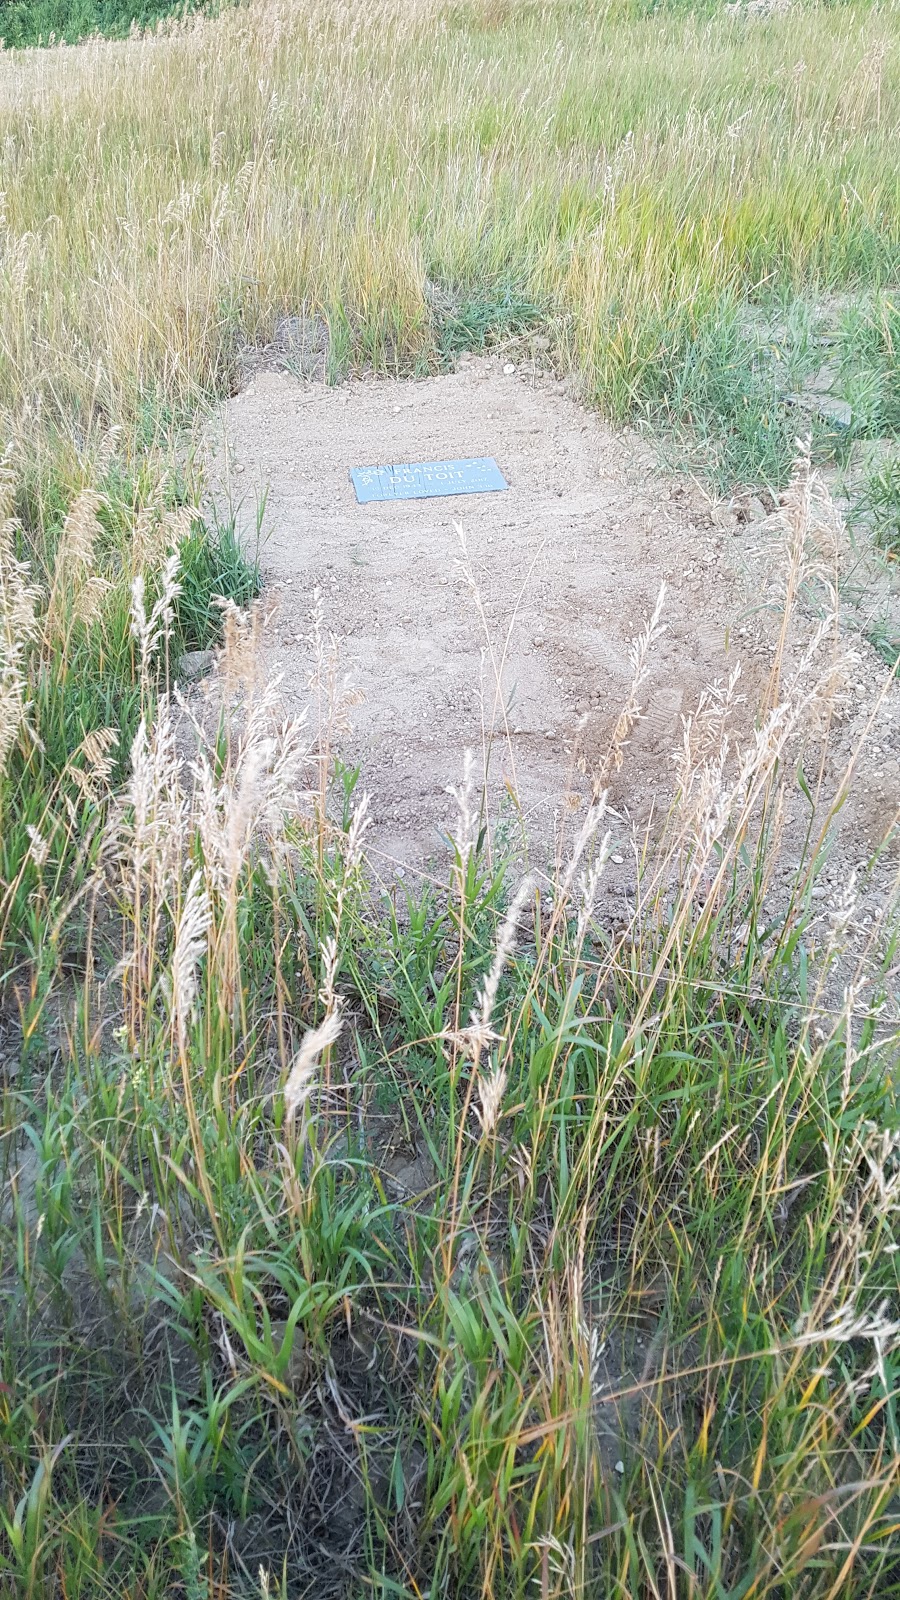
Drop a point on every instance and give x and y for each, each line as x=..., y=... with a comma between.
x=165, y=199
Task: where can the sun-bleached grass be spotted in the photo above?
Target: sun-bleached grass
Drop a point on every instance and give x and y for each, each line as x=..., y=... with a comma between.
x=637, y=177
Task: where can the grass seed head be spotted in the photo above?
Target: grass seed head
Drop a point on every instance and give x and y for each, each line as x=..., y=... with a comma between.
x=302, y=1076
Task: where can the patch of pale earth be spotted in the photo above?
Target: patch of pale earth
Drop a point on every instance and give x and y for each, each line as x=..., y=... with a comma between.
x=568, y=566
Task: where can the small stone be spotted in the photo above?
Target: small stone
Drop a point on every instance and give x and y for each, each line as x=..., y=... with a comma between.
x=833, y=410
x=826, y=406
x=725, y=518
x=195, y=664
x=757, y=510
x=620, y=1466
x=617, y=860
x=509, y=369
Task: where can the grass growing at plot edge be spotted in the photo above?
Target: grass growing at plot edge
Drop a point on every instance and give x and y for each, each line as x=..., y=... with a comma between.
x=445, y=1243
x=71, y=690
x=442, y=1242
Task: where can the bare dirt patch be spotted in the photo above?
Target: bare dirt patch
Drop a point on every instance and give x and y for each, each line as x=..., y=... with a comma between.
x=568, y=566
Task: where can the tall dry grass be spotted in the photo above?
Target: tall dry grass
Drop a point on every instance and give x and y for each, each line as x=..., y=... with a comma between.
x=166, y=199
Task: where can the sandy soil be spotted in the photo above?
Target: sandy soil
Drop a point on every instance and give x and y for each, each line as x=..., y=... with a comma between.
x=568, y=565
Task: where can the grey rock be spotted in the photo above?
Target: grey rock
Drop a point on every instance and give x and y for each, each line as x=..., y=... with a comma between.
x=834, y=410
x=726, y=518
x=829, y=407
x=196, y=664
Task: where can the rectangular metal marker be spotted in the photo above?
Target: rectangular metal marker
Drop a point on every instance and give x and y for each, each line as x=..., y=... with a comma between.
x=423, y=480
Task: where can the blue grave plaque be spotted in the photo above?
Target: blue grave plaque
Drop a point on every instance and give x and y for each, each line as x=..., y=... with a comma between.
x=422, y=480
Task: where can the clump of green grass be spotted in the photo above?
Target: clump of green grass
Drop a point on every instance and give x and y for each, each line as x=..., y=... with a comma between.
x=482, y=321
x=869, y=356
x=45, y=22
x=214, y=564
x=877, y=502
x=724, y=392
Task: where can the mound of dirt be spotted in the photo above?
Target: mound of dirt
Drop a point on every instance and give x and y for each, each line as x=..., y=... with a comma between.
x=568, y=565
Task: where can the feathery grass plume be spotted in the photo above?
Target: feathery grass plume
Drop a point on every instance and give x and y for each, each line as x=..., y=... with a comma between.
x=490, y=1088
x=300, y=1079
x=588, y=884
x=262, y=782
x=155, y=630
x=19, y=627
x=335, y=696
x=593, y=818
x=154, y=827
x=39, y=847
x=498, y=709
x=466, y=834
x=631, y=712
x=190, y=946
x=702, y=760
x=351, y=859
x=815, y=543
x=847, y=1323
x=77, y=591
x=360, y=823
x=156, y=532
x=240, y=658
x=814, y=532
x=479, y=1034
x=96, y=750
x=711, y=801
x=144, y=847
x=240, y=805
x=329, y=951
x=78, y=541
x=704, y=731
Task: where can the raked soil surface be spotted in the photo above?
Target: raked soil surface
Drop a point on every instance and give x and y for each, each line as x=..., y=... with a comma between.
x=568, y=565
